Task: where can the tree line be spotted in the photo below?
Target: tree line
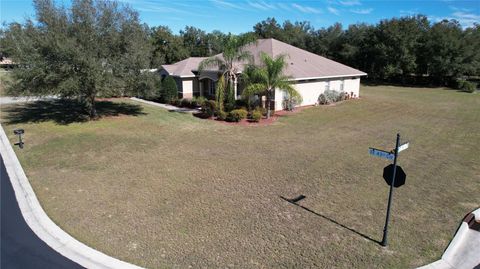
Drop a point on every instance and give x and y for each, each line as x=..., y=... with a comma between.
x=101, y=48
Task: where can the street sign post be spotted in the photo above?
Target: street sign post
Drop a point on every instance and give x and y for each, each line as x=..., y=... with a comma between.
x=393, y=175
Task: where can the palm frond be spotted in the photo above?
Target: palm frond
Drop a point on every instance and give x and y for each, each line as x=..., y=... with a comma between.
x=211, y=62
x=255, y=88
x=244, y=55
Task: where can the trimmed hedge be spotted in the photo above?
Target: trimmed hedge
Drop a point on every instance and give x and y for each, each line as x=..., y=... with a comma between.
x=237, y=115
x=209, y=107
x=222, y=115
x=256, y=116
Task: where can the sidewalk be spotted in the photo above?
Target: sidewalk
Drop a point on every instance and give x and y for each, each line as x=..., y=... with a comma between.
x=167, y=107
x=5, y=100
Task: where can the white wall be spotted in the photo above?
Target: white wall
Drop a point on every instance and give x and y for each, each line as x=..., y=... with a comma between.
x=353, y=85
x=310, y=90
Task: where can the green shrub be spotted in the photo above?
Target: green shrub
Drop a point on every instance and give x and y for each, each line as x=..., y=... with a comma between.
x=328, y=97
x=209, y=107
x=176, y=102
x=256, y=116
x=169, y=90
x=230, y=98
x=237, y=115
x=199, y=101
x=262, y=110
x=185, y=102
x=290, y=102
x=468, y=86
x=222, y=115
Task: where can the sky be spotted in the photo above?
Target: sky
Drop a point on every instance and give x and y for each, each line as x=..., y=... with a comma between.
x=241, y=15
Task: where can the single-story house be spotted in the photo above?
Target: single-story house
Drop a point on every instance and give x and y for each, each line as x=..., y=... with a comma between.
x=311, y=74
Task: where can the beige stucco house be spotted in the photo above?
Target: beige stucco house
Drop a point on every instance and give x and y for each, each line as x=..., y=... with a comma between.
x=311, y=74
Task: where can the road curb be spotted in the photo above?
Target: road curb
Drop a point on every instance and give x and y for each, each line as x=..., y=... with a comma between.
x=42, y=225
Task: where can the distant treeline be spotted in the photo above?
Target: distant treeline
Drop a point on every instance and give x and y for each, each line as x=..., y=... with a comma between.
x=408, y=50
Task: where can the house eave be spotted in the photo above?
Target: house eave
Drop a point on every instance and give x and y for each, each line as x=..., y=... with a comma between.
x=324, y=77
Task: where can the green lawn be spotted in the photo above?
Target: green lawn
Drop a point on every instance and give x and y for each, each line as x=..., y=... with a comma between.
x=164, y=189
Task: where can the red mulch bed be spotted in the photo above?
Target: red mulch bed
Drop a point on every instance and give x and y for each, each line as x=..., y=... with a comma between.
x=264, y=121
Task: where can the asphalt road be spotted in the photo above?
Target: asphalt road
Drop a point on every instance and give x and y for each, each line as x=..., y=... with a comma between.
x=20, y=246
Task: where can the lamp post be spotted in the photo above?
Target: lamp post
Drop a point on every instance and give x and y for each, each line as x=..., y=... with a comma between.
x=19, y=132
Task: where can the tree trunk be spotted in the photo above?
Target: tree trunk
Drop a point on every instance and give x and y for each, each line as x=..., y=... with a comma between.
x=92, y=111
x=267, y=104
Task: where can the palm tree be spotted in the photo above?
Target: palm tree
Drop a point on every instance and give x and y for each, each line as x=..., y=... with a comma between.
x=269, y=76
x=232, y=57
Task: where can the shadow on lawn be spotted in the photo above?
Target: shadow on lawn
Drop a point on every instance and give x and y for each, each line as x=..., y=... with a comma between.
x=66, y=111
x=301, y=197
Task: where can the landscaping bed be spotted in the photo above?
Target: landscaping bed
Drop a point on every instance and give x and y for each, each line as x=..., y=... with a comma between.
x=168, y=190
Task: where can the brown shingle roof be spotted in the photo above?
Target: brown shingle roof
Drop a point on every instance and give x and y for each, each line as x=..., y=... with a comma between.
x=183, y=68
x=301, y=64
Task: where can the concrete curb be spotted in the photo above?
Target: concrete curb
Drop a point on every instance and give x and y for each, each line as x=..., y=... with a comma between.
x=42, y=225
x=168, y=107
x=460, y=252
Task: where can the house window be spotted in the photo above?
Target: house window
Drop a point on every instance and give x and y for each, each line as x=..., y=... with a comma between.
x=211, y=89
x=342, y=83
x=327, y=86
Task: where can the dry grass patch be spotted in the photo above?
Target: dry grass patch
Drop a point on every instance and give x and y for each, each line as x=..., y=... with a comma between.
x=165, y=189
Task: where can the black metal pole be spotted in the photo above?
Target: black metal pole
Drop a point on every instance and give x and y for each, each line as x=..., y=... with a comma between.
x=390, y=196
x=20, y=142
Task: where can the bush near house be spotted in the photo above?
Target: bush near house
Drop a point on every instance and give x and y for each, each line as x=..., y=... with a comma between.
x=199, y=101
x=256, y=116
x=169, y=90
x=237, y=115
x=221, y=115
x=185, y=102
x=331, y=96
x=208, y=108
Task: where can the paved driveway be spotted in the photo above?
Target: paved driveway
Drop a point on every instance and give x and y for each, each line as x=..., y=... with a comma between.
x=20, y=247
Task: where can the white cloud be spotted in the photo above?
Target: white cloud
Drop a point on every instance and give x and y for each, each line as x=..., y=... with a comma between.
x=226, y=4
x=333, y=10
x=284, y=6
x=362, y=11
x=350, y=3
x=460, y=9
x=466, y=19
x=262, y=5
x=306, y=9
x=409, y=12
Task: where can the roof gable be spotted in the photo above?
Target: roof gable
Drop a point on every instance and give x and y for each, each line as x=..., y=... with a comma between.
x=183, y=68
x=301, y=64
